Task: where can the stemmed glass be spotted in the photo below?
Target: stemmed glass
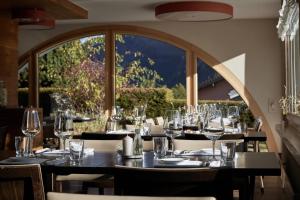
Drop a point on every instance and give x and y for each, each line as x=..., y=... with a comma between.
x=63, y=127
x=214, y=127
x=172, y=126
x=31, y=126
x=139, y=113
x=233, y=115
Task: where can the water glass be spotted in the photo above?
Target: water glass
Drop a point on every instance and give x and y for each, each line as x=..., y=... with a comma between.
x=76, y=150
x=19, y=145
x=146, y=129
x=228, y=151
x=160, y=146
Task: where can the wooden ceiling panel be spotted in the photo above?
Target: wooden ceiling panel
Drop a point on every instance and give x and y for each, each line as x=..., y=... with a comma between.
x=58, y=9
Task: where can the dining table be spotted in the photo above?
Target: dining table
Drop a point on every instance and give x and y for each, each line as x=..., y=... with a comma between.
x=245, y=164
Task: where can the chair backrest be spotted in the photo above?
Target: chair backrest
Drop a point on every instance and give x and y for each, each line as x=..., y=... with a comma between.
x=172, y=182
x=150, y=121
x=182, y=144
x=156, y=130
x=160, y=121
x=21, y=182
x=258, y=124
x=63, y=196
x=102, y=145
x=3, y=133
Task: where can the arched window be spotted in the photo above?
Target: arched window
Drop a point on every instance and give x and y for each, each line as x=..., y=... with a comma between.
x=164, y=60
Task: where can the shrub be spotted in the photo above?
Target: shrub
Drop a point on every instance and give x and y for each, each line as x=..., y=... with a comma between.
x=157, y=99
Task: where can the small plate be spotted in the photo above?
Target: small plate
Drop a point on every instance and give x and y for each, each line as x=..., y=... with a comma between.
x=170, y=160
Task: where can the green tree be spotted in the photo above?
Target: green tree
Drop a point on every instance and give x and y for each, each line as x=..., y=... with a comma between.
x=75, y=67
x=179, y=91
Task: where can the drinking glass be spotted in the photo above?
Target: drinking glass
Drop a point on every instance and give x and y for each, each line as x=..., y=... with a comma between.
x=159, y=146
x=76, y=150
x=31, y=126
x=19, y=145
x=63, y=127
x=172, y=126
x=214, y=128
x=139, y=113
x=233, y=115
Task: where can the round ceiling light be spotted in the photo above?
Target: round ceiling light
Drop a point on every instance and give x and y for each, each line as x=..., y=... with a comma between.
x=194, y=11
x=33, y=19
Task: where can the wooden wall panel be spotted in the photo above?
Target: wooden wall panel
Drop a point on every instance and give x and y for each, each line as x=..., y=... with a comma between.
x=8, y=59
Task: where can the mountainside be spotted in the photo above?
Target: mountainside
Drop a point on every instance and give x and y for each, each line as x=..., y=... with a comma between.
x=169, y=60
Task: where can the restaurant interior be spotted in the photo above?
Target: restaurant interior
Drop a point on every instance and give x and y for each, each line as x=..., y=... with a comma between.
x=152, y=99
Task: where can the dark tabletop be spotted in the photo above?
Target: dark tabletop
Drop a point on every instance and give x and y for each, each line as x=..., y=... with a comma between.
x=246, y=163
x=249, y=136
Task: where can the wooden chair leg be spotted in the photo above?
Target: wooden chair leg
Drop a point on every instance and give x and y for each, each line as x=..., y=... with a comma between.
x=58, y=186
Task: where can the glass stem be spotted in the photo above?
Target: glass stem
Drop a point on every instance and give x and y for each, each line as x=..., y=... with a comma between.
x=172, y=147
x=30, y=144
x=213, y=146
x=64, y=147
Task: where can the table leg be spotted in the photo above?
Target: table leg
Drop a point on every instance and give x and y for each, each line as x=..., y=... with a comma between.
x=252, y=187
x=47, y=181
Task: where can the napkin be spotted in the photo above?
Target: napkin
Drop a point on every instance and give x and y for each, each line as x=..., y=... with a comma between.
x=231, y=130
x=184, y=163
x=22, y=160
x=88, y=151
x=120, y=132
x=201, y=152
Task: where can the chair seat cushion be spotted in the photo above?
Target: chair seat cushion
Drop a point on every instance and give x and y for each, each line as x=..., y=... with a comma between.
x=78, y=177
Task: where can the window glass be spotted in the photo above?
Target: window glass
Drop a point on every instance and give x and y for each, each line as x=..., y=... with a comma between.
x=149, y=71
x=212, y=86
x=72, y=77
x=23, y=85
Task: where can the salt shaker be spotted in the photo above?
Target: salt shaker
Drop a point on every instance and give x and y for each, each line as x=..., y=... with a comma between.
x=127, y=146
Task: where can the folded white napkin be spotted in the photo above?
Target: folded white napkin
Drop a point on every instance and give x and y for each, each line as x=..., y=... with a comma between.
x=201, y=152
x=231, y=130
x=89, y=151
x=42, y=150
x=120, y=132
x=184, y=163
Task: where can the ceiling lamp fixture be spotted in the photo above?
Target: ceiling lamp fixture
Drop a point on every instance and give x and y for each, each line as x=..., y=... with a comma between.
x=35, y=18
x=194, y=11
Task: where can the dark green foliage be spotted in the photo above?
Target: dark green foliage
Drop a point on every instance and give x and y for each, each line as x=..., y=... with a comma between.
x=179, y=91
x=157, y=99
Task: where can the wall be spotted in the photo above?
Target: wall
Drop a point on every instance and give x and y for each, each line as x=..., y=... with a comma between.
x=249, y=48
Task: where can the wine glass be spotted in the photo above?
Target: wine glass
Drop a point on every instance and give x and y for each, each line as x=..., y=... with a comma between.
x=139, y=113
x=63, y=127
x=214, y=127
x=172, y=126
x=31, y=126
x=233, y=115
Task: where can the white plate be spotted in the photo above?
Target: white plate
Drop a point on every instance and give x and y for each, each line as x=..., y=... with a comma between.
x=170, y=160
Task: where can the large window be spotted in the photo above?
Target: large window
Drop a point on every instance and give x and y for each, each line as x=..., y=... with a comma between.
x=147, y=68
x=73, y=75
x=122, y=66
x=212, y=86
x=288, y=30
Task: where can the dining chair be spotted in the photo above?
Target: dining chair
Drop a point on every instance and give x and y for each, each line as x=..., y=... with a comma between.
x=173, y=182
x=160, y=120
x=21, y=182
x=150, y=121
x=64, y=196
x=100, y=181
x=3, y=133
x=258, y=123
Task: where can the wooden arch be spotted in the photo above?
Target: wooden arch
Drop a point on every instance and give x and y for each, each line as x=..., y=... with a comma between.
x=192, y=52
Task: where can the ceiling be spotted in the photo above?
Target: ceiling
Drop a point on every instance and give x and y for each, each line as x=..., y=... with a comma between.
x=109, y=11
